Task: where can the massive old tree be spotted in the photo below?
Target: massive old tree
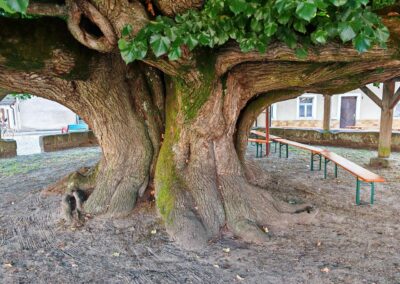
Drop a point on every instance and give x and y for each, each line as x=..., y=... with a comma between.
x=177, y=116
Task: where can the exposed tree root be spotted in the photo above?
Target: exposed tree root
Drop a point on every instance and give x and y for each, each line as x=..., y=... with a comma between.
x=83, y=179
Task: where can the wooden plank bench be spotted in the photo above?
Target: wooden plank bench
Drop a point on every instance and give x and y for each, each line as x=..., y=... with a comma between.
x=259, y=143
x=272, y=138
x=315, y=151
x=361, y=174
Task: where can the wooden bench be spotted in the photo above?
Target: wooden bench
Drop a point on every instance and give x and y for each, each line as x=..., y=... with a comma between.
x=361, y=174
x=315, y=151
x=259, y=143
x=272, y=138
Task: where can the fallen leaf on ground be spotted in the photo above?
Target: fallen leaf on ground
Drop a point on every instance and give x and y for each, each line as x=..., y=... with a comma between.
x=325, y=269
x=115, y=254
x=8, y=265
x=226, y=250
x=239, y=278
x=216, y=265
x=266, y=229
x=153, y=232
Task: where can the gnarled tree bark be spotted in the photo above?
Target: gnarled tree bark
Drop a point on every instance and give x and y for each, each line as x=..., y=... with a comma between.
x=202, y=180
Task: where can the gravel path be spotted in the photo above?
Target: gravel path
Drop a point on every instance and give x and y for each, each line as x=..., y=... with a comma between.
x=346, y=244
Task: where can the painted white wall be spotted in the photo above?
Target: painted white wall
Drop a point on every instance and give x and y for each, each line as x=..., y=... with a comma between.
x=366, y=108
x=41, y=114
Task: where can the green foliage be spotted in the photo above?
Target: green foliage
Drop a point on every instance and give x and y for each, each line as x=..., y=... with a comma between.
x=378, y=4
x=254, y=24
x=14, y=6
x=21, y=96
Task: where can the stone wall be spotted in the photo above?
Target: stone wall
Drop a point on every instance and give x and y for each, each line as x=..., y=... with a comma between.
x=361, y=123
x=67, y=141
x=8, y=148
x=351, y=139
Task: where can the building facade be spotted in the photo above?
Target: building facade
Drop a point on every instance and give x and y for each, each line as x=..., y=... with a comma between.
x=350, y=110
x=35, y=114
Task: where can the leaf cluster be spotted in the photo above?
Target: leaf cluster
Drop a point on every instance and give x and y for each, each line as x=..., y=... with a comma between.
x=14, y=6
x=254, y=24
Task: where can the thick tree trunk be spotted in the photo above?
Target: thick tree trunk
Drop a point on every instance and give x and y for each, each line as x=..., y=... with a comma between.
x=122, y=105
x=385, y=132
x=121, y=109
x=201, y=184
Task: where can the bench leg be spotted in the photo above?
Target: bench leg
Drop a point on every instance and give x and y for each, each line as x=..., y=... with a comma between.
x=320, y=161
x=275, y=146
x=336, y=170
x=280, y=150
x=287, y=150
x=358, y=192
x=312, y=162
x=372, y=192
x=325, y=167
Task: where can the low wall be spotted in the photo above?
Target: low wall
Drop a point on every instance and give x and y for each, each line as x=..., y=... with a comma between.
x=351, y=139
x=67, y=141
x=8, y=148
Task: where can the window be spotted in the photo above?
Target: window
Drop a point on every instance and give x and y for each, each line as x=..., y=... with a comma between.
x=306, y=107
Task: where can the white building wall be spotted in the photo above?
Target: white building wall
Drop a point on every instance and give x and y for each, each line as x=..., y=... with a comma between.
x=367, y=110
x=41, y=114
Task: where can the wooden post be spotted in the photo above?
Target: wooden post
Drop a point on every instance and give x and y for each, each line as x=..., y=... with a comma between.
x=327, y=113
x=267, y=131
x=385, y=132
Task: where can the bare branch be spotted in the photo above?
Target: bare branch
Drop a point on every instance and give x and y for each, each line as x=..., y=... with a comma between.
x=374, y=97
x=47, y=9
x=395, y=99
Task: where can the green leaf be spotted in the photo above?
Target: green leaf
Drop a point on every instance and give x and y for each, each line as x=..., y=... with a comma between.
x=14, y=6
x=270, y=29
x=126, y=31
x=175, y=53
x=362, y=43
x=382, y=34
x=301, y=53
x=338, y=3
x=319, y=36
x=237, y=6
x=306, y=10
x=191, y=42
x=159, y=44
x=300, y=26
x=346, y=32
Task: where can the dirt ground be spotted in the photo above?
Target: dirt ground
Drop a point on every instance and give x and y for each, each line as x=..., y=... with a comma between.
x=346, y=244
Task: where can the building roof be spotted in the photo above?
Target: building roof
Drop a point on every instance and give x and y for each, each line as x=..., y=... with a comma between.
x=8, y=100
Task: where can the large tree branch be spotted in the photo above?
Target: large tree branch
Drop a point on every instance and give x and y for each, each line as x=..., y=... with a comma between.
x=342, y=84
x=374, y=97
x=36, y=84
x=44, y=46
x=46, y=9
x=257, y=78
x=230, y=55
x=173, y=7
